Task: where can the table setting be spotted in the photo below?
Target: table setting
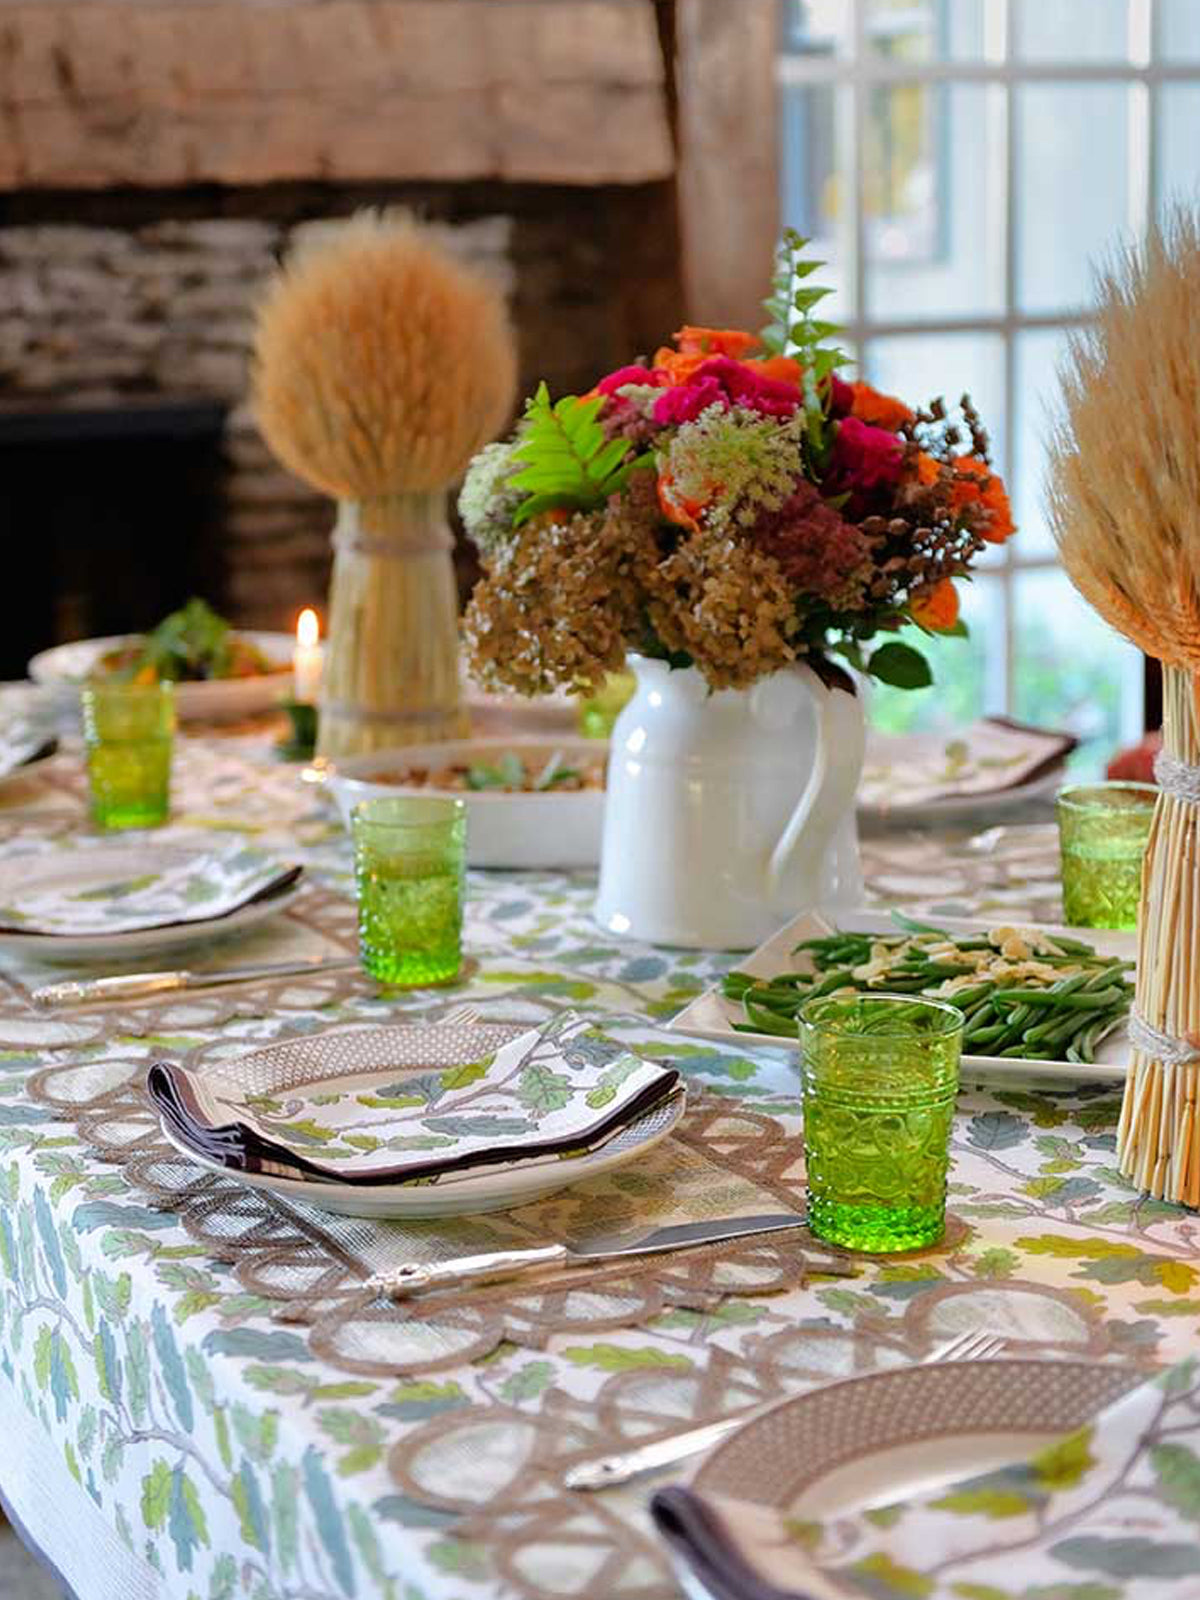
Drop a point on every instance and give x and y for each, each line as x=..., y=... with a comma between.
x=778, y=1185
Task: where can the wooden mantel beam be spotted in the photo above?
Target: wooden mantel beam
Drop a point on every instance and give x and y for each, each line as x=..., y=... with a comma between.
x=162, y=93
x=728, y=135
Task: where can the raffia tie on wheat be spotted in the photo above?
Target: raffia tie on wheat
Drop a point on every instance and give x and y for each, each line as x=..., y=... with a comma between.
x=1158, y=1138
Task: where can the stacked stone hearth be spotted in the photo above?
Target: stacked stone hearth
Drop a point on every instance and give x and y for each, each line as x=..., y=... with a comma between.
x=101, y=317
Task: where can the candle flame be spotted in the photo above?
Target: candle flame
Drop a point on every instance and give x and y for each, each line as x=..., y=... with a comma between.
x=308, y=629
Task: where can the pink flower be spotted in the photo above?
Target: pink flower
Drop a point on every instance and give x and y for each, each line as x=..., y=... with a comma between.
x=746, y=387
x=686, y=401
x=822, y=554
x=623, y=375
x=841, y=396
x=866, y=463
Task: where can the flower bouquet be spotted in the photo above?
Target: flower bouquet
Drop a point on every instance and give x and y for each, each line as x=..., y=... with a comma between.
x=734, y=516
x=731, y=505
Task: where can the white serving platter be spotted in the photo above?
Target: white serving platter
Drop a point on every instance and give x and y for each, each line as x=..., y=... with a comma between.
x=66, y=667
x=552, y=829
x=711, y=1015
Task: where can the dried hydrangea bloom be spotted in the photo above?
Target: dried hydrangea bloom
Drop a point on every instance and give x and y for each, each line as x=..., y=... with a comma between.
x=735, y=465
x=556, y=607
x=727, y=605
x=488, y=502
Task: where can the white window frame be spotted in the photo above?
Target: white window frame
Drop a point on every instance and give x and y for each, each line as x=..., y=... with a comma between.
x=863, y=69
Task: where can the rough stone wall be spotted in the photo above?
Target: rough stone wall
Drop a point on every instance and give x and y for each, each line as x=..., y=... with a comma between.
x=102, y=302
x=95, y=317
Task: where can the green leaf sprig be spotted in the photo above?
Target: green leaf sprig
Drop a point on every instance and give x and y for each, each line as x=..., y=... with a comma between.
x=795, y=331
x=567, y=459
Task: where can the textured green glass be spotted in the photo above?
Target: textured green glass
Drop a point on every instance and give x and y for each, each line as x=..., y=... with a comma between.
x=410, y=870
x=880, y=1075
x=128, y=730
x=1102, y=832
x=599, y=712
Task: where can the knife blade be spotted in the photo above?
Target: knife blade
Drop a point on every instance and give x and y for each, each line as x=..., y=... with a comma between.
x=416, y=1276
x=126, y=985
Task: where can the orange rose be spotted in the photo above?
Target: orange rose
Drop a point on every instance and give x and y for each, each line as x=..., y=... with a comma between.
x=880, y=410
x=937, y=609
x=679, y=511
x=782, y=369
x=976, y=484
x=715, y=342
x=928, y=470
x=678, y=366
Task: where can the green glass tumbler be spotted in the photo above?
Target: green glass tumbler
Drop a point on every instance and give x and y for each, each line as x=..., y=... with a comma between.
x=410, y=870
x=128, y=730
x=1103, y=830
x=598, y=712
x=880, y=1076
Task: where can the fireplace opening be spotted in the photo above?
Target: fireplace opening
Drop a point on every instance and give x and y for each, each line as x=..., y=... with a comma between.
x=118, y=511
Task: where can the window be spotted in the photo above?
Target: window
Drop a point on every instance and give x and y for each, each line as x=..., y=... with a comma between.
x=960, y=164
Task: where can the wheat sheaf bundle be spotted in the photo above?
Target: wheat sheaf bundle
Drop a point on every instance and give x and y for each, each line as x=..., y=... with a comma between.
x=382, y=365
x=382, y=362
x=1124, y=500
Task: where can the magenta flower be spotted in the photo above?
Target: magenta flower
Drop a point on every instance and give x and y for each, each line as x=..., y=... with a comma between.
x=866, y=463
x=623, y=375
x=686, y=401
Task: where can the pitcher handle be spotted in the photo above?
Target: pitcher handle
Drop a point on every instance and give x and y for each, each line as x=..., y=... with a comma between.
x=828, y=795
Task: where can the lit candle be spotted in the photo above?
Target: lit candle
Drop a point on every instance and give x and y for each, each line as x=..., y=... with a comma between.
x=306, y=661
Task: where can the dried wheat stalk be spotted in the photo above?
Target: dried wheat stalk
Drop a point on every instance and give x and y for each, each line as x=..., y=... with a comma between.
x=382, y=364
x=1125, y=504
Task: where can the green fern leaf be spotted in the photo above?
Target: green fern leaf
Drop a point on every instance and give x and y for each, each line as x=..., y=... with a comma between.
x=567, y=460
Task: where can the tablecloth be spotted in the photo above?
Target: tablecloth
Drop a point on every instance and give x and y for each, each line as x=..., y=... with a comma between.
x=167, y=1433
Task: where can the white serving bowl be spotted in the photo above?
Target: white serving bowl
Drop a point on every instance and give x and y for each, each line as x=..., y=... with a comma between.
x=64, y=669
x=550, y=829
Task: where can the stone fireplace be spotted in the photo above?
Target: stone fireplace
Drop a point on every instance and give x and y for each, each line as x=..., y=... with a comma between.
x=159, y=157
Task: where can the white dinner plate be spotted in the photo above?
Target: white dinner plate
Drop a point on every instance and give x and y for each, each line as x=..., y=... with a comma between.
x=109, y=863
x=711, y=1015
x=462, y=1196
x=65, y=667
x=890, y=1436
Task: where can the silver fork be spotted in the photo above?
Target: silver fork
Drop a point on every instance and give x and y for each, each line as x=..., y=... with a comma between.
x=603, y=1472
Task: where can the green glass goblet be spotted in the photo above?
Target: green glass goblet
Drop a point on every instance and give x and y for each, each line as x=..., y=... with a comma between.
x=128, y=729
x=1103, y=830
x=880, y=1075
x=410, y=872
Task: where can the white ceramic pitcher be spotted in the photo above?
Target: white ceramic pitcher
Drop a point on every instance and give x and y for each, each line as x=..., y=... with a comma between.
x=728, y=812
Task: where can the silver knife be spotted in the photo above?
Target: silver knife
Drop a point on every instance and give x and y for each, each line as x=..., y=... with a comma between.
x=126, y=985
x=415, y=1276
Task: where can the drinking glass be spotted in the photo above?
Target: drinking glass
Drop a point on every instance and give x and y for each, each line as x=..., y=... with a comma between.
x=410, y=870
x=1103, y=829
x=880, y=1075
x=598, y=712
x=128, y=729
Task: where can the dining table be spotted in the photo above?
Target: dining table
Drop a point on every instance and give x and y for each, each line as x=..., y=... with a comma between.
x=201, y=1397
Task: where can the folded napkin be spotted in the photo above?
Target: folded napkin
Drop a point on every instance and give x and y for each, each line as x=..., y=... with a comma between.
x=993, y=754
x=548, y=1093
x=24, y=737
x=119, y=891
x=1110, y=1511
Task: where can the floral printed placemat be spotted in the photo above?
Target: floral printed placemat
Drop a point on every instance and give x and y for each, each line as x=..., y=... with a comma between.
x=556, y=1090
x=121, y=889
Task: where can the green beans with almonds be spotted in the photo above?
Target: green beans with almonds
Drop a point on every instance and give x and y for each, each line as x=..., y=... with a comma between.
x=1023, y=994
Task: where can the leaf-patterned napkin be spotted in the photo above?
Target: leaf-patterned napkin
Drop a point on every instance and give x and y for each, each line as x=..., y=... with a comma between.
x=124, y=890
x=25, y=735
x=548, y=1093
x=1109, y=1513
x=989, y=756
